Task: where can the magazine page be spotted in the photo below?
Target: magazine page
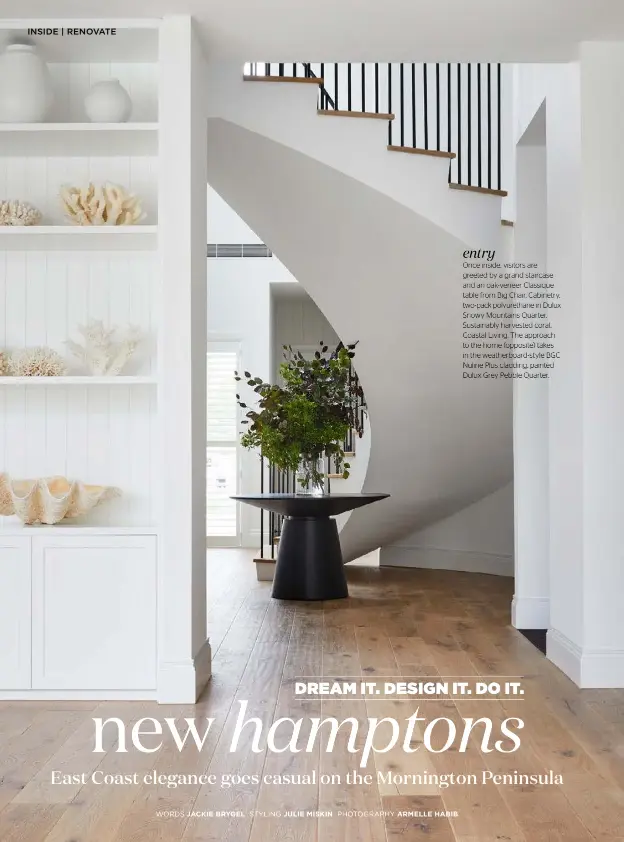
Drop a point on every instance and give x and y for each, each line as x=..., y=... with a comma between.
x=311, y=422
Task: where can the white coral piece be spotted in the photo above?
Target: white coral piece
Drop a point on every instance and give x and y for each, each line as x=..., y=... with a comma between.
x=51, y=499
x=4, y=364
x=37, y=362
x=102, y=204
x=101, y=352
x=15, y=212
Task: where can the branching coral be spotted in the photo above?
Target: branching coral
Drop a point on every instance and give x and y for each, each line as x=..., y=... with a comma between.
x=101, y=352
x=101, y=204
x=37, y=362
x=15, y=212
x=4, y=364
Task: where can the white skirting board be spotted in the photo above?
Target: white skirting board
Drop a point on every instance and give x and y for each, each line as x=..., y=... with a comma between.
x=433, y=558
x=181, y=683
x=69, y=696
x=530, y=612
x=588, y=668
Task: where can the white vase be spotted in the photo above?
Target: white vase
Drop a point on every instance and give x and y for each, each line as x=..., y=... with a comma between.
x=25, y=89
x=108, y=102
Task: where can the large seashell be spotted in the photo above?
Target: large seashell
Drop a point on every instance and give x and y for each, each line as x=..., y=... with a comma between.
x=51, y=499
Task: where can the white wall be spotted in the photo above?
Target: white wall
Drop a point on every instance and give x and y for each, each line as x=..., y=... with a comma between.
x=183, y=651
x=224, y=225
x=239, y=309
x=530, y=608
x=478, y=539
x=297, y=321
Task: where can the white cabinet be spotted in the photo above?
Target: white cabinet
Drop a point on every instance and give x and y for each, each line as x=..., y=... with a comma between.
x=94, y=613
x=14, y=613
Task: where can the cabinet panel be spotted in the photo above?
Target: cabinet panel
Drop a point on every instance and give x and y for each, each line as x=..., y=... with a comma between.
x=14, y=613
x=94, y=613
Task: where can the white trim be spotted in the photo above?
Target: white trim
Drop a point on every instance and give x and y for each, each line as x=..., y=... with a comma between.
x=77, y=695
x=181, y=683
x=530, y=612
x=588, y=668
x=434, y=558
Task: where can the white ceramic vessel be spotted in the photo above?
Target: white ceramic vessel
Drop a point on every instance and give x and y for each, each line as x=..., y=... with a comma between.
x=25, y=87
x=108, y=102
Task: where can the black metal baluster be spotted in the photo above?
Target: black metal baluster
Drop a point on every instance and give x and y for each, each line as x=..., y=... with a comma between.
x=323, y=92
x=448, y=109
x=261, y=510
x=294, y=69
x=389, y=103
x=469, y=139
x=437, y=89
x=349, y=86
x=376, y=88
x=498, y=128
x=489, y=125
x=272, y=514
x=414, y=144
x=363, y=87
x=425, y=105
x=280, y=69
x=267, y=69
x=402, y=95
x=459, y=143
x=336, y=106
x=479, y=147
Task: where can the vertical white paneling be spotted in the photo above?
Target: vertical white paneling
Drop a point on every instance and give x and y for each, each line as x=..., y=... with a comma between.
x=39, y=179
x=100, y=435
x=72, y=82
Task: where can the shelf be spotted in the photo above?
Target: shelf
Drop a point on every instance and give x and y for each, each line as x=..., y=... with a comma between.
x=78, y=237
x=13, y=530
x=78, y=139
x=78, y=381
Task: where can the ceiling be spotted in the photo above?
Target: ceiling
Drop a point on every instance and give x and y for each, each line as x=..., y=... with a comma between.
x=372, y=30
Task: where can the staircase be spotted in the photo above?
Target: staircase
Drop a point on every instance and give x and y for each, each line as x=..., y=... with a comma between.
x=376, y=238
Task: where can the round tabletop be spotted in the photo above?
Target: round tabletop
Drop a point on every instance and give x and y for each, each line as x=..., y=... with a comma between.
x=309, y=505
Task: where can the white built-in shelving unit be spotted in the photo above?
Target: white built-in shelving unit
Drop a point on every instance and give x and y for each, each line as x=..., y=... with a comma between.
x=78, y=600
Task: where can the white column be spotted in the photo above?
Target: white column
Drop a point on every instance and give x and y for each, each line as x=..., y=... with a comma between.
x=184, y=651
x=586, y=639
x=530, y=606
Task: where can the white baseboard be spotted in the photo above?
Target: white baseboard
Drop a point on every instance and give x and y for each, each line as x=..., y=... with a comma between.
x=530, y=612
x=588, y=668
x=77, y=695
x=181, y=682
x=433, y=558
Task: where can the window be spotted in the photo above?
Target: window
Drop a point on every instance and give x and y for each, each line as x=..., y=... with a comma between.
x=222, y=526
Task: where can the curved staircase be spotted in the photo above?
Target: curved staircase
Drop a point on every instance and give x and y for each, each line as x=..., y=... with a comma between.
x=376, y=238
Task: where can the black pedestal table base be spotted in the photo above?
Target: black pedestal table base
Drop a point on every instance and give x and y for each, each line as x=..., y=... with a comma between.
x=309, y=560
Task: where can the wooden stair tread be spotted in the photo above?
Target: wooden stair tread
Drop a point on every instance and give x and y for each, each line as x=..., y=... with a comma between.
x=335, y=476
x=301, y=80
x=371, y=114
x=413, y=150
x=488, y=190
x=507, y=222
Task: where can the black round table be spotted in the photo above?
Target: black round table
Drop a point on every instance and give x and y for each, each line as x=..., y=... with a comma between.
x=309, y=559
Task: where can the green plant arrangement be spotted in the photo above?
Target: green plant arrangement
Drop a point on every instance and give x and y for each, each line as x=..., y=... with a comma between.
x=307, y=418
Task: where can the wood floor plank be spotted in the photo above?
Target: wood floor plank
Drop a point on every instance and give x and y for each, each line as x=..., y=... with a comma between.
x=408, y=624
x=423, y=825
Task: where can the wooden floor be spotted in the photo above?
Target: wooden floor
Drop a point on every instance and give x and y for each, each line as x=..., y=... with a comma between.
x=396, y=623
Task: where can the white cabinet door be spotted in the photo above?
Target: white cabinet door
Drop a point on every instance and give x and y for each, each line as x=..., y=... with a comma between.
x=94, y=613
x=14, y=613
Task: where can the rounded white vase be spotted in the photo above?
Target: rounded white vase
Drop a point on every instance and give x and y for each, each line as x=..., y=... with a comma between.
x=28, y=95
x=108, y=102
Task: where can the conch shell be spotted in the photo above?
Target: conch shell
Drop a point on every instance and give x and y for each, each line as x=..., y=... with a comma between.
x=51, y=499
